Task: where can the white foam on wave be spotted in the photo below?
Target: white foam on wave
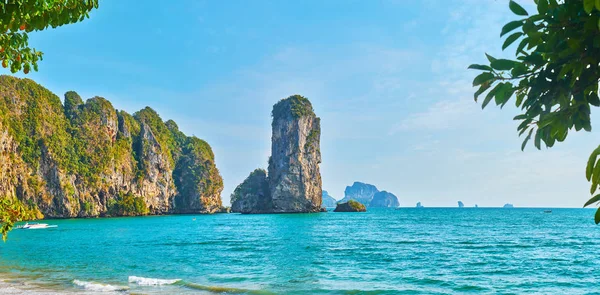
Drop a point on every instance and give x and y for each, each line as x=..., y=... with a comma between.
x=151, y=281
x=98, y=287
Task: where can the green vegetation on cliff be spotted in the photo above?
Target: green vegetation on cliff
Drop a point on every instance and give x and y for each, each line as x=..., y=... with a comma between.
x=127, y=205
x=89, y=159
x=297, y=105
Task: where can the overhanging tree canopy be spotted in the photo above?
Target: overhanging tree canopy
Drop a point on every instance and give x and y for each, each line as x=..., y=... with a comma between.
x=554, y=77
x=20, y=17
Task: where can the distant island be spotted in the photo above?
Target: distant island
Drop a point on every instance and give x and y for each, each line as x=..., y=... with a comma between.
x=369, y=195
x=293, y=181
x=508, y=206
x=87, y=159
x=328, y=201
x=460, y=204
x=419, y=205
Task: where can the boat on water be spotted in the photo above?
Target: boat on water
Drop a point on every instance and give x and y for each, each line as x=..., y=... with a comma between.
x=547, y=211
x=37, y=225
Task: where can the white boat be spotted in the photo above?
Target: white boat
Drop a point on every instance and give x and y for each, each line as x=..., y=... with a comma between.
x=37, y=226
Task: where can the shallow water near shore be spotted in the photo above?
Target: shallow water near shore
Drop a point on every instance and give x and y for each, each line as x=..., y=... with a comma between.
x=383, y=251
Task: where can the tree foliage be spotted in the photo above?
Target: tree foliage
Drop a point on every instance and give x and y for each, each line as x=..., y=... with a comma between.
x=11, y=211
x=554, y=76
x=20, y=17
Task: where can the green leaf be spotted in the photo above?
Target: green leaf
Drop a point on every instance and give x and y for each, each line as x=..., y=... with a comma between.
x=516, y=8
x=538, y=139
x=595, y=177
x=482, y=78
x=542, y=6
x=588, y=5
x=593, y=200
x=510, y=39
x=503, y=64
x=490, y=95
x=590, y=164
x=526, y=140
x=597, y=216
x=480, y=67
x=482, y=89
x=522, y=45
x=597, y=4
x=520, y=117
x=490, y=58
x=511, y=26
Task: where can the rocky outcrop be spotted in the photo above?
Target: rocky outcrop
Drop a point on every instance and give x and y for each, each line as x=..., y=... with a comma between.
x=369, y=195
x=253, y=195
x=419, y=205
x=86, y=159
x=460, y=204
x=294, y=179
x=384, y=199
x=328, y=201
x=508, y=206
x=350, y=206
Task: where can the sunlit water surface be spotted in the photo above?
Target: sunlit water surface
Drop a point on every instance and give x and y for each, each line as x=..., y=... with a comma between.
x=385, y=251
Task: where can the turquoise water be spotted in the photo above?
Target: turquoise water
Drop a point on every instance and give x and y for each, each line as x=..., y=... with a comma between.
x=408, y=251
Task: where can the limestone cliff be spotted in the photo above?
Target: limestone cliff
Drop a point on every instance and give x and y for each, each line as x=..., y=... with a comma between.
x=253, y=195
x=87, y=159
x=294, y=179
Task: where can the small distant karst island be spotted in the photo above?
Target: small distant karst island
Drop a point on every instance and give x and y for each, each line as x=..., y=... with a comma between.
x=460, y=204
x=369, y=195
x=328, y=200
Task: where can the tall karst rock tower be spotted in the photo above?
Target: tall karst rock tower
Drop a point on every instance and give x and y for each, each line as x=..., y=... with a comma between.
x=294, y=176
x=293, y=184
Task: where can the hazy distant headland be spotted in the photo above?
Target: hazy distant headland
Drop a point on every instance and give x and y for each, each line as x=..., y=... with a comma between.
x=369, y=195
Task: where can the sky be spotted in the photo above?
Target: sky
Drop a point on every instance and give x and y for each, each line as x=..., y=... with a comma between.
x=388, y=78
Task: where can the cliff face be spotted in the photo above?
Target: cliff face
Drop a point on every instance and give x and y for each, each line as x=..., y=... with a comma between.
x=294, y=179
x=384, y=199
x=369, y=196
x=88, y=159
x=294, y=176
x=253, y=195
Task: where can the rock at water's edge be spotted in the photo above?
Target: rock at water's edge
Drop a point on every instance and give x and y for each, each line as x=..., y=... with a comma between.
x=252, y=195
x=350, y=206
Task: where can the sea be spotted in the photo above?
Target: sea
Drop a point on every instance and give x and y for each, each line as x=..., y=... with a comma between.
x=382, y=251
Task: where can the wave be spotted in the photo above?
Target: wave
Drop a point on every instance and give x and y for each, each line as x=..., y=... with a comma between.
x=98, y=287
x=227, y=290
x=151, y=281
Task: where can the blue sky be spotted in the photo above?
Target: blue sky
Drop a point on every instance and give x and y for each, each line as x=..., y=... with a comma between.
x=388, y=79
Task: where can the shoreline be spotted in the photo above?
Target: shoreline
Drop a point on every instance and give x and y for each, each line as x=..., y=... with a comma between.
x=12, y=286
